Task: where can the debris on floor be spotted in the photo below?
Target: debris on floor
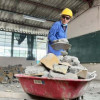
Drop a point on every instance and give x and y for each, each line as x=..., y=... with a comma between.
x=7, y=73
x=65, y=67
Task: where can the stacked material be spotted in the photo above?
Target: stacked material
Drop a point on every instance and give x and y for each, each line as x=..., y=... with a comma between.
x=7, y=73
x=63, y=67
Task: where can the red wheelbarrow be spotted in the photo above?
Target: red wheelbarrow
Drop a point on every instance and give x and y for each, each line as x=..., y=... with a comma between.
x=54, y=88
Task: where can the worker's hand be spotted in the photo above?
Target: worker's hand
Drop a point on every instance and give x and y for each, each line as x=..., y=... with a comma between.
x=55, y=41
x=63, y=40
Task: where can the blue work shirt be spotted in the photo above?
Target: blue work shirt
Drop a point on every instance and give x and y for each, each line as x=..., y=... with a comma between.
x=56, y=32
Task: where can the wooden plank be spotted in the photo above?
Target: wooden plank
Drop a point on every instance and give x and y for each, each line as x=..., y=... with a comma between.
x=20, y=95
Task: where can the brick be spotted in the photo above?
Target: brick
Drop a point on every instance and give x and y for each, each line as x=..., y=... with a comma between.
x=50, y=60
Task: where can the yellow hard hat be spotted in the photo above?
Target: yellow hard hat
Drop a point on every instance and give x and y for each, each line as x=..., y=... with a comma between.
x=67, y=11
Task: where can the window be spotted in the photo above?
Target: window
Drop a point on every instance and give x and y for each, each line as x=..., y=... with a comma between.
x=19, y=50
x=5, y=43
x=41, y=42
x=22, y=45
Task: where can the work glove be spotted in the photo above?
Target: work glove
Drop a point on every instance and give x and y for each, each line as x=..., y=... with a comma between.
x=64, y=40
x=55, y=41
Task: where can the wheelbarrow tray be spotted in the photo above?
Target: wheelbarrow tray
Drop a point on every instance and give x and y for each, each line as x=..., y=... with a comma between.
x=53, y=88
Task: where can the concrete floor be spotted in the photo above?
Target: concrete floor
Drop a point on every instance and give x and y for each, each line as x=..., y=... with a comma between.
x=93, y=92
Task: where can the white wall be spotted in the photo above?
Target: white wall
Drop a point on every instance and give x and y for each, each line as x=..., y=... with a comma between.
x=5, y=61
x=86, y=23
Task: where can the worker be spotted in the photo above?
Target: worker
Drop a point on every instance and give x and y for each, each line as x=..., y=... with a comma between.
x=59, y=30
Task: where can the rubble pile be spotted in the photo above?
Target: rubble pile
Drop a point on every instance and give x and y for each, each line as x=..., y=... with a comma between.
x=63, y=67
x=7, y=73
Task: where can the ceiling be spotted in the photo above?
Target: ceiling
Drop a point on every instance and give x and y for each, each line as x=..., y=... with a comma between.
x=12, y=11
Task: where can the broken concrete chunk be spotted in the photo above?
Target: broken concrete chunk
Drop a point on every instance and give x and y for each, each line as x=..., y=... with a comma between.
x=49, y=60
x=34, y=70
x=71, y=76
x=75, y=69
x=82, y=74
x=60, y=68
x=46, y=74
x=60, y=58
x=7, y=73
x=61, y=45
x=64, y=63
x=71, y=60
x=1, y=79
x=64, y=53
x=53, y=74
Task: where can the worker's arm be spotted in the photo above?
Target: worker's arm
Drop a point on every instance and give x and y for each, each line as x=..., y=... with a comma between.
x=52, y=33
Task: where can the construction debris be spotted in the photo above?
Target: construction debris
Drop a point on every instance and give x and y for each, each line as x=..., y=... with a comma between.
x=63, y=67
x=71, y=60
x=61, y=44
x=35, y=70
x=49, y=60
x=60, y=68
x=62, y=76
x=7, y=73
x=82, y=74
x=64, y=53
